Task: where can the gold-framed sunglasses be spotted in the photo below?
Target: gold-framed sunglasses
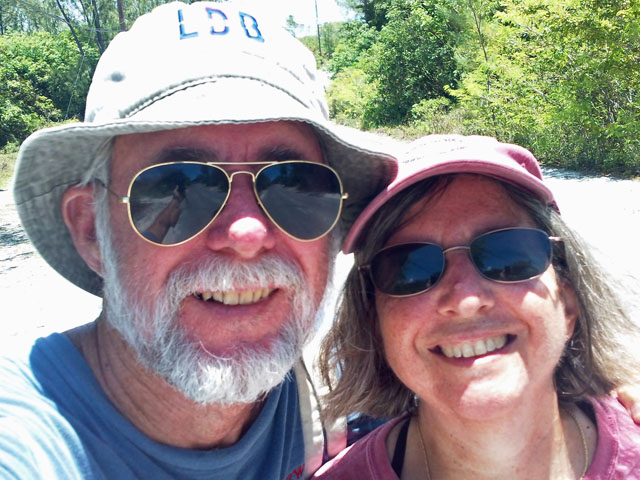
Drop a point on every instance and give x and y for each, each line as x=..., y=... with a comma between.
x=171, y=203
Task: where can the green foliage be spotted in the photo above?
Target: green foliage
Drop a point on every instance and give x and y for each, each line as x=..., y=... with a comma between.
x=42, y=77
x=349, y=97
x=412, y=59
x=329, y=38
x=372, y=12
x=561, y=78
x=435, y=115
x=353, y=40
x=292, y=26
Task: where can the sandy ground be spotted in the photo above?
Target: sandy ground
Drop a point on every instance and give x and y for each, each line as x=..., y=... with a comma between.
x=35, y=300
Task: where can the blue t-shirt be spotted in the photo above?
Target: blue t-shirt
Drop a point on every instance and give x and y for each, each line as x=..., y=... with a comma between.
x=56, y=423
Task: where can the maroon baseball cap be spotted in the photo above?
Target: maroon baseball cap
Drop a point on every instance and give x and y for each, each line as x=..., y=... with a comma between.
x=443, y=154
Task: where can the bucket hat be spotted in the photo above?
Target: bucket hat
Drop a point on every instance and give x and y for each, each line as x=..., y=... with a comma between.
x=444, y=154
x=180, y=66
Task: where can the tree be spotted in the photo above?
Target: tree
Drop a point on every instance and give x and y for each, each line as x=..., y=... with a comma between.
x=561, y=78
x=373, y=12
x=352, y=40
x=292, y=26
x=412, y=60
x=41, y=81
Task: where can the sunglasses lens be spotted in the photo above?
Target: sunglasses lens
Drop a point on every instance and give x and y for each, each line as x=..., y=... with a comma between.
x=511, y=255
x=407, y=269
x=171, y=203
x=303, y=199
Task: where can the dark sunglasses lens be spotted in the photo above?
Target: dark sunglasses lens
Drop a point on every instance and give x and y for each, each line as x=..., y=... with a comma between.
x=407, y=269
x=511, y=255
x=304, y=199
x=172, y=203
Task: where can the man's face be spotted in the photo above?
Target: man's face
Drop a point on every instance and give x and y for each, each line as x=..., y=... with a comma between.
x=241, y=292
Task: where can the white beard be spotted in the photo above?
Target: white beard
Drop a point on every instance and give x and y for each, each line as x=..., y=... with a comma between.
x=162, y=347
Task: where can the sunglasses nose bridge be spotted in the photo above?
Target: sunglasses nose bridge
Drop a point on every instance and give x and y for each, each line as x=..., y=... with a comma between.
x=457, y=247
x=246, y=172
x=237, y=172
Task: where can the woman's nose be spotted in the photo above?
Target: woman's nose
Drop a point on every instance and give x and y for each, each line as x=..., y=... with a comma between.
x=462, y=291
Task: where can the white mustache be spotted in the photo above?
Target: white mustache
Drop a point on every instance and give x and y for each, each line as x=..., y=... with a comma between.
x=219, y=273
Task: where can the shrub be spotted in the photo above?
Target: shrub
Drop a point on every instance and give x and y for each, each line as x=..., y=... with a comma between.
x=43, y=79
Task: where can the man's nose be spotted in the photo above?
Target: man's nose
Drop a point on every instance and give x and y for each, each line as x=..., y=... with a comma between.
x=242, y=228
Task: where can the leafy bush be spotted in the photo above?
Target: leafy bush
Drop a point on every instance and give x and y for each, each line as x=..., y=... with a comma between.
x=352, y=43
x=43, y=79
x=412, y=60
x=436, y=115
x=349, y=96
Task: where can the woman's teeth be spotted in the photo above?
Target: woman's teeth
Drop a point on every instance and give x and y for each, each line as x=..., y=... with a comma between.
x=480, y=347
x=235, y=297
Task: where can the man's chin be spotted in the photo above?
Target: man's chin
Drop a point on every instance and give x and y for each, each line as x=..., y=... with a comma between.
x=245, y=375
x=228, y=350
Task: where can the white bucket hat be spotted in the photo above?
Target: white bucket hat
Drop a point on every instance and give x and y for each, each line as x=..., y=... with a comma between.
x=186, y=65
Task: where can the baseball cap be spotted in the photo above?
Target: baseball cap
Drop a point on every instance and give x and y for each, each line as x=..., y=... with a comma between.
x=178, y=66
x=445, y=154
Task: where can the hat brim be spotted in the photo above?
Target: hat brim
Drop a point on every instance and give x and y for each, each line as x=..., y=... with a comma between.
x=492, y=167
x=52, y=160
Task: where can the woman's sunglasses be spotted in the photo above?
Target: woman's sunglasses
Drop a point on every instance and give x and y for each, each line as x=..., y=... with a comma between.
x=509, y=255
x=170, y=203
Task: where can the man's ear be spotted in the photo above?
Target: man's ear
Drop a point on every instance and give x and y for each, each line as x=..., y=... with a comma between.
x=78, y=212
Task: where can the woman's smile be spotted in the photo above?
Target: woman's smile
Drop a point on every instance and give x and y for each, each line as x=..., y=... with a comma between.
x=473, y=349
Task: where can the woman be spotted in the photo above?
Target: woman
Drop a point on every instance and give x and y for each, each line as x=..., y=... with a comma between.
x=476, y=317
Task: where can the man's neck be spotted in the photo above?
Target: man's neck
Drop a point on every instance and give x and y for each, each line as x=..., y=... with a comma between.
x=156, y=408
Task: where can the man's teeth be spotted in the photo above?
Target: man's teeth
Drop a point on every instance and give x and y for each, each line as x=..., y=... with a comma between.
x=234, y=297
x=480, y=347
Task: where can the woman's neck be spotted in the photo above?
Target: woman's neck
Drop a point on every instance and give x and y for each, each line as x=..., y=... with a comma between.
x=539, y=440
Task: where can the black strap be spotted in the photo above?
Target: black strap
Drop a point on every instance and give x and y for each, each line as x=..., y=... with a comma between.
x=401, y=446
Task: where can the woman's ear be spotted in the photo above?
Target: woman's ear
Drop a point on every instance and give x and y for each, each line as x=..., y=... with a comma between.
x=78, y=212
x=571, y=305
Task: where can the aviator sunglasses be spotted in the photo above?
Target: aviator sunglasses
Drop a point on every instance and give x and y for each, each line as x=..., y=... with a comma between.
x=508, y=255
x=170, y=203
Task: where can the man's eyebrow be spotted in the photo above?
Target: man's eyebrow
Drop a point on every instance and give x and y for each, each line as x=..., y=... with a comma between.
x=281, y=153
x=185, y=154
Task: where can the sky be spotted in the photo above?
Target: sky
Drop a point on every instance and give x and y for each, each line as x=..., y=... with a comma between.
x=304, y=12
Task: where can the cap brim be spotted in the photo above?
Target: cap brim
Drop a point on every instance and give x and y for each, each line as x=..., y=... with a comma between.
x=493, y=167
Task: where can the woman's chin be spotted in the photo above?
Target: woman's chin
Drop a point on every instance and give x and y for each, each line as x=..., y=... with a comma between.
x=486, y=401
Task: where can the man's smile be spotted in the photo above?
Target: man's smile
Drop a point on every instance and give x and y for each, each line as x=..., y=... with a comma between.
x=235, y=297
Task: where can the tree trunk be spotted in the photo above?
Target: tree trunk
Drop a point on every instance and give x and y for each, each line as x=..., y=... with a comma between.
x=318, y=31
x=96, y=23
x=123, y=25
x=70, y=25
x=85, y=13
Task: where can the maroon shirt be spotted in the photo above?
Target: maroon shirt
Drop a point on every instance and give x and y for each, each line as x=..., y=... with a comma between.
x=617, y=453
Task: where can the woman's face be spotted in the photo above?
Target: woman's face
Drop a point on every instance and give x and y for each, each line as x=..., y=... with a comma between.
x=466, y=312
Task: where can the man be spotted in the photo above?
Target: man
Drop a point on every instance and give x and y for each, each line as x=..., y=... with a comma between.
x=199, y=199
